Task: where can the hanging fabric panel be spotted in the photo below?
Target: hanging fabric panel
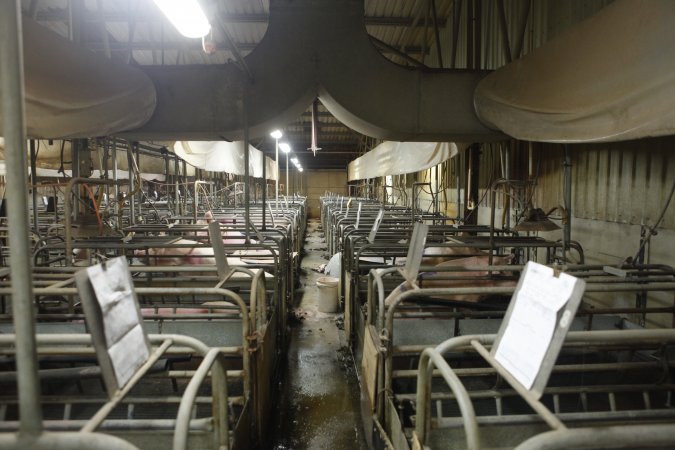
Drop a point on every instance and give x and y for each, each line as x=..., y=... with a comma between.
x=221, y=156
x=396, y=158
x=609, y=78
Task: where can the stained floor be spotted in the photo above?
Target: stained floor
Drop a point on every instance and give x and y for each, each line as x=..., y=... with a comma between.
x=319, y=401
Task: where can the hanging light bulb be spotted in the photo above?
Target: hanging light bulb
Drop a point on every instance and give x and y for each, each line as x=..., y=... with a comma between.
x=187, y=16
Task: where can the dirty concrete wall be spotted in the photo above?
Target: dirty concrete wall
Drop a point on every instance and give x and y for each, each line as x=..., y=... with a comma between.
x=317, y=182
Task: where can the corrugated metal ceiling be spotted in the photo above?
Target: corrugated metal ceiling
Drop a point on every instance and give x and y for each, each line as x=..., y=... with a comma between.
x=136, y=32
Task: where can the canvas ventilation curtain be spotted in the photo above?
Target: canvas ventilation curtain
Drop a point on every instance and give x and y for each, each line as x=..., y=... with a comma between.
x=221, y=156
x=49, y=158
x=609, y=78
x=396, y=158
x=72, y=92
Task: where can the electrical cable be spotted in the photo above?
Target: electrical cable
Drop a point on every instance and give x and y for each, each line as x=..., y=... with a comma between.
x=652, y=230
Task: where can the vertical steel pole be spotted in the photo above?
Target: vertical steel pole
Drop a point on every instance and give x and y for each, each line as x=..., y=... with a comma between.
x=287, y=176
x=185, y=183
x=137, y=149
x=176, y=197
x=12, y=91
x=33, y=179
x=276, y=151
x=264, y=191
x=567, y=198
x=130, y=170
x=116, y=188
x=247, y=181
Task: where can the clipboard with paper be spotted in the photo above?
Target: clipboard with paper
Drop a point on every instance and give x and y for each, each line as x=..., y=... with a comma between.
x=537, y=320
x=114, y=321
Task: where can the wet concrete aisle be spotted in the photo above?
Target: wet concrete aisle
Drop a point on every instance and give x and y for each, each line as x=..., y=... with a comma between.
x=318, y=406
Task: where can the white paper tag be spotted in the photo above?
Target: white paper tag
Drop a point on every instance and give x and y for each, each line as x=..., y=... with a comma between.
x=529, y=332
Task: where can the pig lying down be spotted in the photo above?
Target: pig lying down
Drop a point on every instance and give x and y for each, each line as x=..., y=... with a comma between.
x=480, y=278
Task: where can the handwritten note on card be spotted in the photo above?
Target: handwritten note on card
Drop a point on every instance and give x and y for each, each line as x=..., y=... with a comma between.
x=532, y=322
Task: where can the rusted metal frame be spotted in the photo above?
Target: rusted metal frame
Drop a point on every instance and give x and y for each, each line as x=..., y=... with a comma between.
x=68, y=212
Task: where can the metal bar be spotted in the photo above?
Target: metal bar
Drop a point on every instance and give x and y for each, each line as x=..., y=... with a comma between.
x=104, y=30
x=176, y=172
x=624, y=436
x=264, y=192
x=33, y=176
x=567, y=199
x=12, y=88
x=68, y=224
x=247, y=179
x=130, y=196
x=384, y=46
x=505, y=31
x=437, y=34
x=531, y=400
x=457, y=16
x=518, y=46
x=116, y=189
x=66, y=441
x=137, y=166
x=180, y=437
x=428, y=357
x=235, y=50
x=107, y=408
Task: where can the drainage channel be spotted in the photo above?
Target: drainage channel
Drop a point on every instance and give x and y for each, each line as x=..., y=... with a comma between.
x=318, y=405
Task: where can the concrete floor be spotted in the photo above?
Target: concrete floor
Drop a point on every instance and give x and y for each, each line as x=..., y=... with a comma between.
x=319, y=397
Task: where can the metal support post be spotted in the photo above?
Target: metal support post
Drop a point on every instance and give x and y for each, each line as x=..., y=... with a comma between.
x=276, y=161
x=12, y=88
x=264, y=192
x=247, y=181
x=33, y=179
x=567, y=198
x=130, y=197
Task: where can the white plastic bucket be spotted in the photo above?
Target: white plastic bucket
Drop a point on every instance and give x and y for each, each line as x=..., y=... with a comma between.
x=327, y=300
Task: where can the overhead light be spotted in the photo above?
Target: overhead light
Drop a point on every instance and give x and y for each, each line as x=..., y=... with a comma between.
x=276, y=134
x=300, y=169
x=284, y=147
x=535, y=220
x=294, y=161
x=187, y=16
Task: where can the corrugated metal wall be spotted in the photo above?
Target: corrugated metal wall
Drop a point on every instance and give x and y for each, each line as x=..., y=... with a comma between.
x=544, y=19
x=623, y=182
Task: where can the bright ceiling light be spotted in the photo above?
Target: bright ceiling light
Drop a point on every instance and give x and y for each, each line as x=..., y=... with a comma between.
x=294, y=161
x=300, y=169
x=284, y=147
x=276, y=134
x=187, y=16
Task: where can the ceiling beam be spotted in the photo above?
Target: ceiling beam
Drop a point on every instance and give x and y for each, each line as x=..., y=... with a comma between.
x=61, y=15
x=197, y=46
